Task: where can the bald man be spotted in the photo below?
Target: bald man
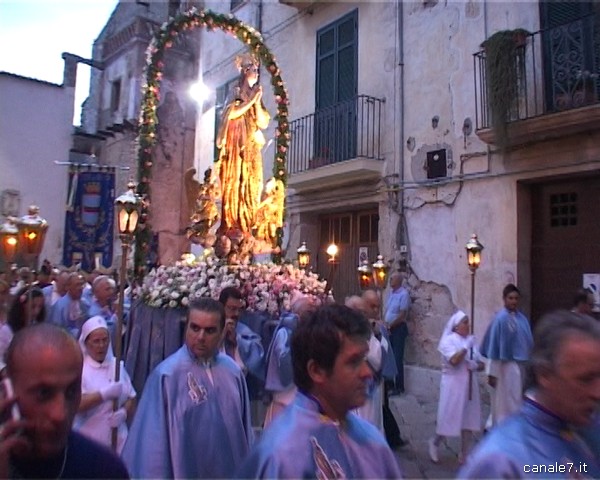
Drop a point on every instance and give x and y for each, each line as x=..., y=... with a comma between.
x=44, y=363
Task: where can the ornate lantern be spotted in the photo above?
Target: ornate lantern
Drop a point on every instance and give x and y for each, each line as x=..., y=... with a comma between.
x=303, y=256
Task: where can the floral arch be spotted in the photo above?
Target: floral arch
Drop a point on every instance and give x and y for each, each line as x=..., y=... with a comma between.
x=148, y=119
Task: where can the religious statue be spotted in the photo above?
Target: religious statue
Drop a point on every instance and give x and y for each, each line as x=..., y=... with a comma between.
x=202, y=198
x=269, y=214
x=239, y=142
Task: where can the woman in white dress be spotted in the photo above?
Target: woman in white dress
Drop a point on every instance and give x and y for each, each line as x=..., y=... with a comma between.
x=457, y=414
x=95, y=417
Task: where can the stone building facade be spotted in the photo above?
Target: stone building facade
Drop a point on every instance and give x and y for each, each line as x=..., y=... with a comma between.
x=392, y=149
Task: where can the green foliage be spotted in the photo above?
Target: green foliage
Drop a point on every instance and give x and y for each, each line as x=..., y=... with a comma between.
x=502, y=78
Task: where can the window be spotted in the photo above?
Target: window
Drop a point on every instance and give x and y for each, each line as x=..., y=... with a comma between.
x=436, y=164
x=368, y=228
x=115, y=96
x=336, y=89
x=563, y=210
x=336, y=229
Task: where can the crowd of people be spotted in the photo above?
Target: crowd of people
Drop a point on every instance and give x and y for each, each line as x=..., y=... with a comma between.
x=328, y=370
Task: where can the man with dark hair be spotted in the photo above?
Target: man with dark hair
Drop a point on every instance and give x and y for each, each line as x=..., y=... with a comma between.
x=506, y=345
x=583, y=302
x=44, y=364
x=193, y=419
x=541, y=440
x=317, y=436
x=239, y=341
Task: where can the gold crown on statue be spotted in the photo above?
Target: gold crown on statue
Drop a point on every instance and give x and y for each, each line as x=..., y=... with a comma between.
x=246, y=60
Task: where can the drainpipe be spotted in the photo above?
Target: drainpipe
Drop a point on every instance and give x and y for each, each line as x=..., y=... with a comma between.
x=401, y=236
x=260, y=15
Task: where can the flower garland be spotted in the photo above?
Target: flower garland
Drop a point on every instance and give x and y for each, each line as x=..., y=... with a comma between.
x=148, y=120
x=265, y=287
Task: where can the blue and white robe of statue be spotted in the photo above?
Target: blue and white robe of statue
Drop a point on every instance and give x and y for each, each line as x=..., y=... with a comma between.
x=187, y=425
x=532, y=444
x=303, y=443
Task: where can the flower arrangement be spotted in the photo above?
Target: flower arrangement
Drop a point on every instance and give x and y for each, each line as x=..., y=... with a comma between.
x=265, y=287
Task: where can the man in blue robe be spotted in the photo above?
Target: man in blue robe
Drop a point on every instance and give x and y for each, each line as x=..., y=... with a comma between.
x=542, y=440
x=193, y=420
x=507, y=344
x=280, y=375
x=240, y=342
x=317, y=436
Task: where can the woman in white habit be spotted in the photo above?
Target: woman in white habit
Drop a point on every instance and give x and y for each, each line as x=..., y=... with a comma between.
x=95, y=418
x=458, y=416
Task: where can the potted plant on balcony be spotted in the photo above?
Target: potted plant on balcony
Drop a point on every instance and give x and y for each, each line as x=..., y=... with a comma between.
x=503, y=77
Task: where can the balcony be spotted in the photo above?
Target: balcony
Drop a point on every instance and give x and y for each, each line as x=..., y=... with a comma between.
x=558, y=87
x=337, y=144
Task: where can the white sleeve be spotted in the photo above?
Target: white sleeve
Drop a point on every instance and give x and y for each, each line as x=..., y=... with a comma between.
x=374, y=355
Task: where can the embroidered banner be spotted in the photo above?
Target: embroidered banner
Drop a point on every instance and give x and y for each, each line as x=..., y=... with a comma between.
x=90, y=218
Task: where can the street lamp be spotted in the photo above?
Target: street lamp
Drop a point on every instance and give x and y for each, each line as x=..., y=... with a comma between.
x=32, y=233
x=474, y=249
x=9, y=240
x=380, y=270
x=303, y=256
x=127, y=205
x=332, y=251
x=365, y=275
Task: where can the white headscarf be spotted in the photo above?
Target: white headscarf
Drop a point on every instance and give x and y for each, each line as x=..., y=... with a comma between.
x=452, y=322
x=92, y=324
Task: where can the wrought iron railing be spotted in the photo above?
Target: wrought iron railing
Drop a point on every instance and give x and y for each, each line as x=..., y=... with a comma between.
x=345, y=131
x=558, y=69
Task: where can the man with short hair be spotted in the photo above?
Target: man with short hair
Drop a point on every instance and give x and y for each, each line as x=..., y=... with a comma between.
x=583, y=302
x=239, y=341
x=56, y=290
x=388, y=372
x=103, y=290
x=44, y=363
x=317, y=436
x=70, y=311
x=193, y=420
x=395, y=316
x=542, y=440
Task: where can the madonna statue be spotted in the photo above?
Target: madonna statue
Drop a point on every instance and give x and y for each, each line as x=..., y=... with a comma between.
x=239, y=142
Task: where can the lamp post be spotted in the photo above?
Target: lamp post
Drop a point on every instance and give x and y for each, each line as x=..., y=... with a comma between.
x=374, y=276
x=127, y=206
x=32, y=234
x=303, y=256
x=332, y=251
x=474, y=249
x=365, y=275
x=9, y=240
